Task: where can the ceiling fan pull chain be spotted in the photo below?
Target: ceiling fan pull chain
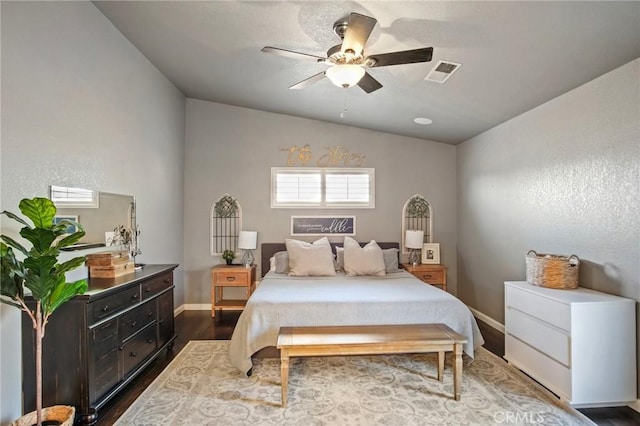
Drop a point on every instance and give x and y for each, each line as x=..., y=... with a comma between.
x=344, y=111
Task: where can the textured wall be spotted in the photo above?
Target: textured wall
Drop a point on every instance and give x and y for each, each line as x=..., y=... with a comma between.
x=82, y=107
x=231, y=150
x=562, y=178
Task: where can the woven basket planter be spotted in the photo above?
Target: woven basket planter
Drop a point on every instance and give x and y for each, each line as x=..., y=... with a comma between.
x=552, y=271
x=63, y=414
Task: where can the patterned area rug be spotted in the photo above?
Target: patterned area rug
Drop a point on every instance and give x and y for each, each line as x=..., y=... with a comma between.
x=200, y=387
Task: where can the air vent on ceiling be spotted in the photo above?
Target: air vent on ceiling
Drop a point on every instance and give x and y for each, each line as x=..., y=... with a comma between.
x=442, y=71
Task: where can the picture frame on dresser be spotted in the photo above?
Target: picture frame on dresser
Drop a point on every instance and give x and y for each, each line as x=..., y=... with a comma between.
x=431, y=253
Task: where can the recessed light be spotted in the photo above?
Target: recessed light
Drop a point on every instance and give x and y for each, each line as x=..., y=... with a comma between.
x=422, y=120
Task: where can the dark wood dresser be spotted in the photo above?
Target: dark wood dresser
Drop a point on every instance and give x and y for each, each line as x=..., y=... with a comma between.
x=98, y=342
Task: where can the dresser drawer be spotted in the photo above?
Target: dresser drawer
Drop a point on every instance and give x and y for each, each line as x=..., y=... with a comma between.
x=113, y=304
x=548, y=310
x=105, y=338
x=136, y=350
x=551, y=341
x=551, y=373
x=231, y=278
x=156, y=285
x=137, y=319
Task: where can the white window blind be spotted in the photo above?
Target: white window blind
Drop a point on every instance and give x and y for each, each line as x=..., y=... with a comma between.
x=63, y=196
x=318, y=187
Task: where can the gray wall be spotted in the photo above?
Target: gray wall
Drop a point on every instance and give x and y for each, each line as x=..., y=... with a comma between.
x=562, y=178
x=82, y=107
x=231, y=150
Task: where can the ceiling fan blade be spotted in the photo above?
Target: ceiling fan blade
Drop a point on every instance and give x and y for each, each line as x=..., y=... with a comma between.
x=368, y=83
x=399, y=58
x=291, y=54
x=358, y=30
x=309, y=81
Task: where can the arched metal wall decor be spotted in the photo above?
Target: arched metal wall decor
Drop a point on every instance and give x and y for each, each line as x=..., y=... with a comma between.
x=417, y=215
x=226, y=224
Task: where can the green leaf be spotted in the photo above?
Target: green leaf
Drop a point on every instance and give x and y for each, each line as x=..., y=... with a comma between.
x=16, y=245
x=14, y=217
x=12, y=274
x=70, y=265
x=40, y=238
x=70, y=239
x=40, y=210
x=63, y=292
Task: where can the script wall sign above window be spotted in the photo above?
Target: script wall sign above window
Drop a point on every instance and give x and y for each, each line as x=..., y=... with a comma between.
x=330, y=156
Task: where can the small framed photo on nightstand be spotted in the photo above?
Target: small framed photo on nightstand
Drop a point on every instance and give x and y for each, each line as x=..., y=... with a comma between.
x=431, y=253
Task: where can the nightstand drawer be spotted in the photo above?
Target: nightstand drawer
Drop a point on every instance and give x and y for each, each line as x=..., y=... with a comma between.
x=547, y=310
x=231, y=278
x=431, y=277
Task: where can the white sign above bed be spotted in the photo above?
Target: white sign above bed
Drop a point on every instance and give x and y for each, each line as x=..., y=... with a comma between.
x=323, y=225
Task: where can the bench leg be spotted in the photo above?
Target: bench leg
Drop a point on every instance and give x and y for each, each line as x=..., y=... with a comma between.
x=457, y=371
x=284, y=374
x=440, y=365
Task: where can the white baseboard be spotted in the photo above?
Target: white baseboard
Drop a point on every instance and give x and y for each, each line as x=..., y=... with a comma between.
x=197, y=306
x=635, y=405
x=177, y=311
x=488, y=320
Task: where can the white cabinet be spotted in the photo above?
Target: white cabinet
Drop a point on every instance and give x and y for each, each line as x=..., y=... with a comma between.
x=580, y=344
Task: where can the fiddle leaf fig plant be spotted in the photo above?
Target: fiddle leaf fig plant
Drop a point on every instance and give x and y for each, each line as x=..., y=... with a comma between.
x=37, y=270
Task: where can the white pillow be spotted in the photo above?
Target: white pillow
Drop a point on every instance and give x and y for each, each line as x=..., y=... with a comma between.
x=390, y=259
x=367, y=260
x=307, y=259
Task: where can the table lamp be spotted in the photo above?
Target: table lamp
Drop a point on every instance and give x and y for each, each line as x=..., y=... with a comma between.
x=413, y=241
x=247, y=241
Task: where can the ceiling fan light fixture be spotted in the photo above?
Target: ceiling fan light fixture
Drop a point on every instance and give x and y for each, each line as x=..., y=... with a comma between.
x=345, y=75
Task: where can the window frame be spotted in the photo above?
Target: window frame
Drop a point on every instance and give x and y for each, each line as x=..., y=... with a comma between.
x=323, y=172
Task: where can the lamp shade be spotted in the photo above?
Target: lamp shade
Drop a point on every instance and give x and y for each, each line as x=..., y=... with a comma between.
x=248, y=240
x=414, y=239
x=345, y=75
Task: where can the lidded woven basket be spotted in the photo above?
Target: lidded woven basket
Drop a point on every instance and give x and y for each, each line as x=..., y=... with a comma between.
x=552, y=271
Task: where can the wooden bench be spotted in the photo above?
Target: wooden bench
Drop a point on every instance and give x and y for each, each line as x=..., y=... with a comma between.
x=371, y=340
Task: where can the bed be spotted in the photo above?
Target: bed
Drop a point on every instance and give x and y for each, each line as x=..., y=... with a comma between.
x=396, y=298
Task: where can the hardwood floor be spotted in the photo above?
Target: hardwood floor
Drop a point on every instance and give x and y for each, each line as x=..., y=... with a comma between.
x=198, y=325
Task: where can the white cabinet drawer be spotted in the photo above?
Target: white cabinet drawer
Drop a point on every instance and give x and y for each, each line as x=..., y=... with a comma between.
x=554, y=375
x=548, y=310
x=540, y=335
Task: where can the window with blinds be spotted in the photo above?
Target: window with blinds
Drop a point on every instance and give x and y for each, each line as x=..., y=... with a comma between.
x=335, y=188
x=65, y=197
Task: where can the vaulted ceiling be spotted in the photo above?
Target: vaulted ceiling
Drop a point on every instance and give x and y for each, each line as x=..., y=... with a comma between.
x=514, y=56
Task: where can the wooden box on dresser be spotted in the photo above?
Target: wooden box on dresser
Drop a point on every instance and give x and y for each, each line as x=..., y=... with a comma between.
x=580, y=343
x=96, y=343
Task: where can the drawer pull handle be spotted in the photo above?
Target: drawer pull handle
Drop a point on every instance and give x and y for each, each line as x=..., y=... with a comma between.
x=105, y=308
x=133, y=324
x=133, y=354
x=161, y=321
x=150, y=313
x=149, y=340
x=426, y=277
x=147, y=289
x=134, y=296
x=231, y=278
x=167, y=280
x=120, y=347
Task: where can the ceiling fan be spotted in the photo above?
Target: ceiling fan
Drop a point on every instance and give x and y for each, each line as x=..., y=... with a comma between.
x=347, y=61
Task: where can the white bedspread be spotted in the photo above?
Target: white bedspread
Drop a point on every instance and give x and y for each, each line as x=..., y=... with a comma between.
x=398, y=298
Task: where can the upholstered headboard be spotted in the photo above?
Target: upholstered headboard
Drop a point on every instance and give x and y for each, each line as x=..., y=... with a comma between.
x=269, y=249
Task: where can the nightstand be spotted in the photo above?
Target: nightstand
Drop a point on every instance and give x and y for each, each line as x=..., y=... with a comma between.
x=230, y=276
x=431, y=274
